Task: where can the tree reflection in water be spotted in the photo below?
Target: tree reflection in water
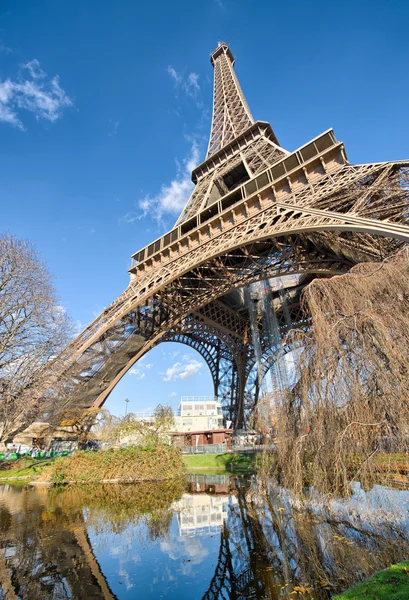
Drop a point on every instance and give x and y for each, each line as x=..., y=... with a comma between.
x=46, y=552
x=275, y=544
x=272, y=544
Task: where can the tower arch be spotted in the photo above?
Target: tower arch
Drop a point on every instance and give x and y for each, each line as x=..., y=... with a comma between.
x=257, y=211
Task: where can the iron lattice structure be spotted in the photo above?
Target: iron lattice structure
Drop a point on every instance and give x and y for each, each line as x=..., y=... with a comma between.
x=257, y=211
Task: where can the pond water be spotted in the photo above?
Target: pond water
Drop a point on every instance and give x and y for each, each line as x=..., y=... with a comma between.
x=211, y=537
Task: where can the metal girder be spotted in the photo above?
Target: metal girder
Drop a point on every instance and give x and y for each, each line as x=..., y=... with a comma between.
x=258, y=154
x=231, y=114
x=105, y=366
x=218, y=314
x=256, y=212
x=210, y=343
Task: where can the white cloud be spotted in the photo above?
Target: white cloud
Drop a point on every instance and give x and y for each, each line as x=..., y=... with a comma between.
x=44, y=98
x=115, y=550
x=189, y=85
x=139, y=370
x=175, y=75
x=172, y=196
x=33, y=66
x=172, y=394
x=184, y=370
x=5, y=49
x=192, y=86
x=192, y=547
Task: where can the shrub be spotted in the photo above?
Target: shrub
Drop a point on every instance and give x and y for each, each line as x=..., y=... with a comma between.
x=134, y=463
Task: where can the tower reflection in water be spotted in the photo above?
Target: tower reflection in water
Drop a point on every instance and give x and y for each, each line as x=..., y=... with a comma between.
x=213, y=537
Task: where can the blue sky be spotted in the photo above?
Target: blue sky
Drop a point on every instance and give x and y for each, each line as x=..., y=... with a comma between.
x=106, y=106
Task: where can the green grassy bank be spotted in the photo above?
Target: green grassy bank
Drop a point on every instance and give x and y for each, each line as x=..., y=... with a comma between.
x=392, y=466
x=390, y=584
x=117, y=464
x=24, y=467
x=215, y=462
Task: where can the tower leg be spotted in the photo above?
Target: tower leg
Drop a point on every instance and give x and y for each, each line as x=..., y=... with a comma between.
x=239, y=424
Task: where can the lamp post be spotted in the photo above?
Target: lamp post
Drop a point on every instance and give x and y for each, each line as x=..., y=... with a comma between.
x=126, y=406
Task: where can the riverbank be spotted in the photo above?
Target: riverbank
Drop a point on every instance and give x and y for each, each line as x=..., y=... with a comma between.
x=24, y=468
x=393, y=468
x=85, y=466
x=222, y=462
x=392, y=583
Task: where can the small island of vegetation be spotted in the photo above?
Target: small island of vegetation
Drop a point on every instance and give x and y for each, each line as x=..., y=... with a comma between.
x=134, y=463
x=132, y=450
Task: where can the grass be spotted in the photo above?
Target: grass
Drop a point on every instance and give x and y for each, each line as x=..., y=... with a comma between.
x=33, y=467
x=135, y=463
x=219, y=461
x=390, y=584
x=393, y=462
x=23, y=467
x=385, y=461
x=85, y=465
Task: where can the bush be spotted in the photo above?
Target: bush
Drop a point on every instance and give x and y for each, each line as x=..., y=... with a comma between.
x=134, y=463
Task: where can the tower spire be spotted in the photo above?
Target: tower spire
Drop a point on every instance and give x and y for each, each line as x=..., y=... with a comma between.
x=231, y=114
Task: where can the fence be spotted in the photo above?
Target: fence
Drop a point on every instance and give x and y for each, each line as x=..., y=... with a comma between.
x=205, y=449
x=251, y=449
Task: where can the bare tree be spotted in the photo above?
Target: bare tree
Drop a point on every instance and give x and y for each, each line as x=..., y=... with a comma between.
x=33, y=329
x=351, y=402
x=79, y=423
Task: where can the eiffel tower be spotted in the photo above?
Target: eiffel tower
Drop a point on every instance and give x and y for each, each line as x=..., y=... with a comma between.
x=257, y=211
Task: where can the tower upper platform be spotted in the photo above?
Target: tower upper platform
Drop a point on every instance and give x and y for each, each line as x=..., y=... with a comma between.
x=222, y=48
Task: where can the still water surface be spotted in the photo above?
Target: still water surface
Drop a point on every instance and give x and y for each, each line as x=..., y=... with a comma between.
x=211, y=537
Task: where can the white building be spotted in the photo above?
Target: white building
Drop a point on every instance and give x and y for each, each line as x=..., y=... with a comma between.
x=199, y=413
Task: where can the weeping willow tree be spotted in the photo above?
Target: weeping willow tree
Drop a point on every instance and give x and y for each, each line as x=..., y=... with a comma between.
x=348, y=412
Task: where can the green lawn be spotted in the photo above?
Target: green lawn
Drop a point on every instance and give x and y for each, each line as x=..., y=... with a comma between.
x=391, y=584
x=219, y=461
x=23, y=467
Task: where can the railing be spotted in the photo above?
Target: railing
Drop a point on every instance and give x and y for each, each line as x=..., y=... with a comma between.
x=248, y=449
x=199, y=399
x=276, y=174
x=205, y=449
